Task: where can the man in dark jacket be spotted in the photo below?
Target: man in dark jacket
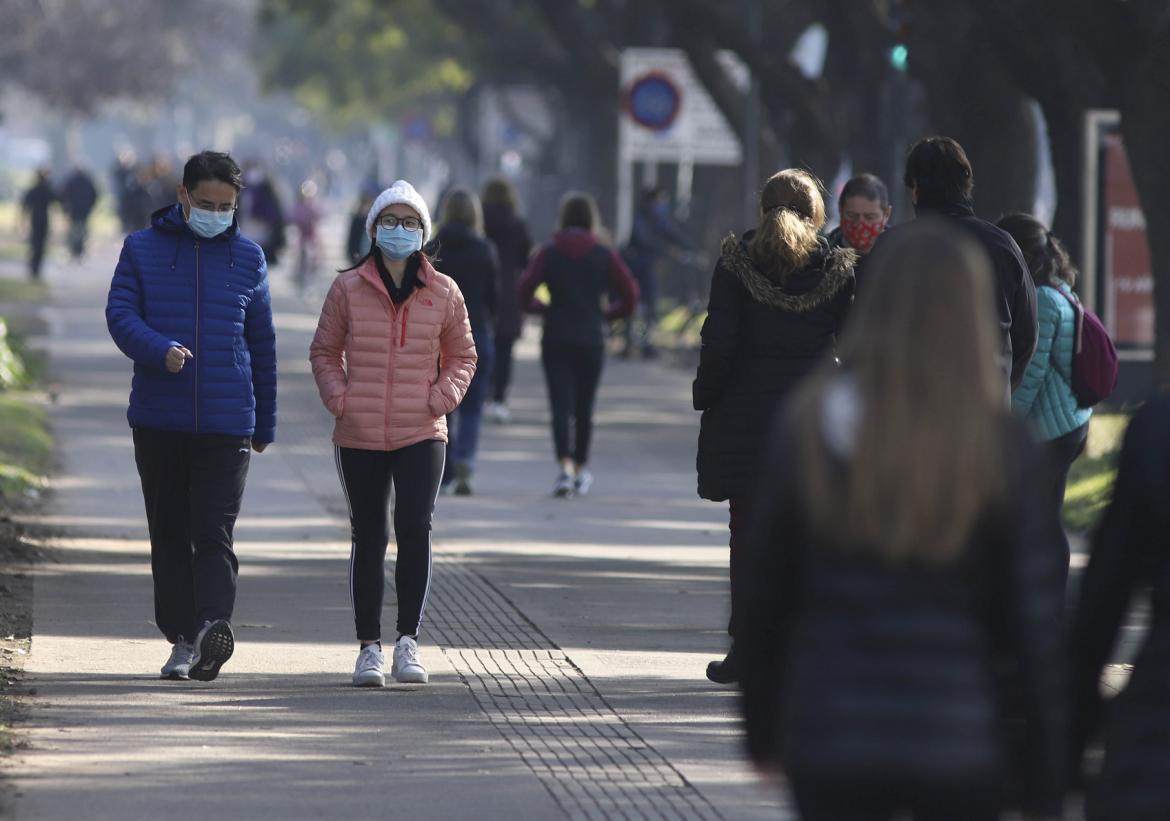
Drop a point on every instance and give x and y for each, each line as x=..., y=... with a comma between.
x=36, y=203
x=78, y=197
x=941, y=180
x=189, y=304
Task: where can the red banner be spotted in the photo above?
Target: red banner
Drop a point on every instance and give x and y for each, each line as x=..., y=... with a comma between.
x=1129, y=281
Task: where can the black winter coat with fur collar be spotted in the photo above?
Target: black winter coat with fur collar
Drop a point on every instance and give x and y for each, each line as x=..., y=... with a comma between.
x=763, y=334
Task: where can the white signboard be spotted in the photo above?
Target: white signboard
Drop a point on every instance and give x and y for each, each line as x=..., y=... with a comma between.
x=667, y=116
x=693, y=129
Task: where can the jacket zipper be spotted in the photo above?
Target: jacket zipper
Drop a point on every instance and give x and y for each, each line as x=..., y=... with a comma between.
x=196, y=351
x=402, y=338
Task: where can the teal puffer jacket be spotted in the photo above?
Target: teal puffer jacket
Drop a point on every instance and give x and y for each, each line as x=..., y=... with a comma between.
x=1045, y=397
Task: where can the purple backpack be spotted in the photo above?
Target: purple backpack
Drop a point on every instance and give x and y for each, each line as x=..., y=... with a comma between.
x=1094, y=364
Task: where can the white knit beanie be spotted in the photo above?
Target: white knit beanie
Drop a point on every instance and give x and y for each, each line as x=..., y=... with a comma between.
x=403, y=192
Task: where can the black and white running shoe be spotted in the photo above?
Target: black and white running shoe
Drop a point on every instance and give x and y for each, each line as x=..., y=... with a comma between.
x=213, y=646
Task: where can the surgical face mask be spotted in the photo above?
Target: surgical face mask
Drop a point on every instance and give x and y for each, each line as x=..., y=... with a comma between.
x=208, y=224
x=398, y=243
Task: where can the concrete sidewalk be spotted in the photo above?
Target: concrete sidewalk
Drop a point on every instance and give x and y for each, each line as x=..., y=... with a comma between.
x=566, y=640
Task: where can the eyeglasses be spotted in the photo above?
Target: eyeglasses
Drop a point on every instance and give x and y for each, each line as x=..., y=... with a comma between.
x=206, y=205
x=390, y=222
x=219, y=208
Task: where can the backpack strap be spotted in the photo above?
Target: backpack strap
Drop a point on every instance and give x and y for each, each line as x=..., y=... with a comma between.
x=1079, y=313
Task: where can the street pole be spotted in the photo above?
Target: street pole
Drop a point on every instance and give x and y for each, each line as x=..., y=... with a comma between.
x=751, y=127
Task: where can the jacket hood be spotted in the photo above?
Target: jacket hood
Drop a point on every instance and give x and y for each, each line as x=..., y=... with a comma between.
x=169, y=220
x=498, y=215
x=455, y=234
x=575, y=242
x=828, y=271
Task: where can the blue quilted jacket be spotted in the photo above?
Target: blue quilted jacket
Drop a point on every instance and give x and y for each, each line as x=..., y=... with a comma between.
x=172, y=287
x=1045, y=397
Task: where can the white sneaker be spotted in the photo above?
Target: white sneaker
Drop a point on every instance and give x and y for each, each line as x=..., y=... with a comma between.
x=583, y=482
x=498, y=412
x=178, y=666
x=368, y=671
x=407, y=668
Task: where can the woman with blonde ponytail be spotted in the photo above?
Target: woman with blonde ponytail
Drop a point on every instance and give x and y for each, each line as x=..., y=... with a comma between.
x=779, y=296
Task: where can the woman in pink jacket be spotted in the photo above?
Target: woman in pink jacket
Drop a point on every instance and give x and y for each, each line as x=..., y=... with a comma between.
x=393, y=355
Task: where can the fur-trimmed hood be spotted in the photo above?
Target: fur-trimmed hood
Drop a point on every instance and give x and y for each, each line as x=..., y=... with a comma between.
x=829, y=270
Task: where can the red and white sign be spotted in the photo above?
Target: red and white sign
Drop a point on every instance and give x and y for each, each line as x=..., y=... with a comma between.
x=1128, y=280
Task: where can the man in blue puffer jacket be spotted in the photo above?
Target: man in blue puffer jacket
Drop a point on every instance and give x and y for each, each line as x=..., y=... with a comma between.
x=189, y=304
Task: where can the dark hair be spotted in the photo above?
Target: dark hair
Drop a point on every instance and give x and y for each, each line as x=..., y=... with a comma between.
x=212, y=165
x=869, y=186
x=578, y=210
x=1048, y=260
x=499, y=191
x=938, y=167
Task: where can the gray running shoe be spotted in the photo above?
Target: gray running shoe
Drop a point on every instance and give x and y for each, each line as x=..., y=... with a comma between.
x=563, y=487
x=178, y=666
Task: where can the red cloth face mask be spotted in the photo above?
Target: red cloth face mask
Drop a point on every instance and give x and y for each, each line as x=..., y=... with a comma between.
x=861, y=235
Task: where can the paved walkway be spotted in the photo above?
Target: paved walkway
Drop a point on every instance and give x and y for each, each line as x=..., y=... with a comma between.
x=566, y=640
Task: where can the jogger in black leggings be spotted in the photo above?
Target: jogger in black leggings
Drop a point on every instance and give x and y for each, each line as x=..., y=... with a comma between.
x=366, y=477
x=579, y=272
x=572, y=373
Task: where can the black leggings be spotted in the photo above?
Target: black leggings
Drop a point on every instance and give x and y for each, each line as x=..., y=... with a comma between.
x=502, y=372
x=572, y=373
x=366, y=476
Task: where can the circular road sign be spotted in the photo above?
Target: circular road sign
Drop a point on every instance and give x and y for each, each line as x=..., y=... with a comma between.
x=653, y=101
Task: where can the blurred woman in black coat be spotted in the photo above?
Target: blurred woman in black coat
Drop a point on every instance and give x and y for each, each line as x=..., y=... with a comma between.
x=900, y=651
x=778, y=298
x=1131, y=553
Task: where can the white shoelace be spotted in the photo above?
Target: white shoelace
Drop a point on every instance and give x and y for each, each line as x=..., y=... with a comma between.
x=370, y=658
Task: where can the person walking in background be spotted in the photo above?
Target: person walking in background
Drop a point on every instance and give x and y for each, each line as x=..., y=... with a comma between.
x=392, y=356
x=305, y=217
x=865, y=210
x=1130, y=555
x=35, y=204
x=189, y=304
x=941, y=182
x=78, y=197
x=503, y=226
x=779, y=297
x=1045, y=396
x=652, y=234
x=902, y=597
x=470, y=260
x=578, y=271
x=263, y=213
x=358, y=243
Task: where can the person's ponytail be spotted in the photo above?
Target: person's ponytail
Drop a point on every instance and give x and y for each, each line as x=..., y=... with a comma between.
x=793, y=212
x=783, y=242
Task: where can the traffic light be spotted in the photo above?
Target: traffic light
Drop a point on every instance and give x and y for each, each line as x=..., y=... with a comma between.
x=899, y=56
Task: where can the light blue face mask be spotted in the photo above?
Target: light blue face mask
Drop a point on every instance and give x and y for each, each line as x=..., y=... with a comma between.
x=208, y=224
x=398, y=243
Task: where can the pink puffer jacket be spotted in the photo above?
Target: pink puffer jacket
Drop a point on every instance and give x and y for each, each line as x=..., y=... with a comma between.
x=391, y=373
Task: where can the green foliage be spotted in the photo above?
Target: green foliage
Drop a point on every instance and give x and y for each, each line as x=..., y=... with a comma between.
x=1090, y=482
x=25, y=446
x=362, y=61
x=12, y=372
